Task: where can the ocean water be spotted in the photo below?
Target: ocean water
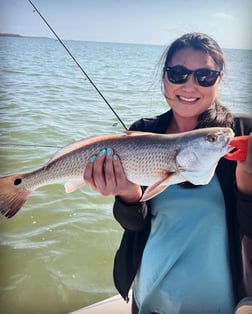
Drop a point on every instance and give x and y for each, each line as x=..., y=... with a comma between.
x=57, y=253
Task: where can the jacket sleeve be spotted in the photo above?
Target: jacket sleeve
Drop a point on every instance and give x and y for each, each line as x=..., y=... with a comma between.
x=131, y=217
x=244, y=205
x=244, y=216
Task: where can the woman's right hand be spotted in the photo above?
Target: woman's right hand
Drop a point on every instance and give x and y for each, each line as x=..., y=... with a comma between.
x=105, y=174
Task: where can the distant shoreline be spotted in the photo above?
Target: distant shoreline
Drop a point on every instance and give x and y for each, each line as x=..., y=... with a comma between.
x=10, y=35
x=21, y=36
x=25, y=36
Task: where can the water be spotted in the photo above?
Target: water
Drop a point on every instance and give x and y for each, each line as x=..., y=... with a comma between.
x=57, y=253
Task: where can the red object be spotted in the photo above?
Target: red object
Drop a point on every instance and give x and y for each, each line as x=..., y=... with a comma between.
x=240, y=144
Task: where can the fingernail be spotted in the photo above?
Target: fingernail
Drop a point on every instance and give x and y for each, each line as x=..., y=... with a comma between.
x=103, y=152
x=115, y=157
x=93, y=159
x=109, y=151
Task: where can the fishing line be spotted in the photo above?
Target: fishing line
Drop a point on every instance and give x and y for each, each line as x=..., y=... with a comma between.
x=79, y=66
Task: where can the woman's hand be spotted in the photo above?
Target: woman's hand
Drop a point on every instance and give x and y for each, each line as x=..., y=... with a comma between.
x=105, y=174
x=244, y=171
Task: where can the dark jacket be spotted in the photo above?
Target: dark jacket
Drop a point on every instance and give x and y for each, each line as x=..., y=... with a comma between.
x=136, y=219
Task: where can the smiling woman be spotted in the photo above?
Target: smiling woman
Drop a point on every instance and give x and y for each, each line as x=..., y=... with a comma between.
x=184, y=229
x=190, y=96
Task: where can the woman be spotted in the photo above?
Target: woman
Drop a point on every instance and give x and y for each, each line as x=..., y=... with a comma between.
x=189, y=249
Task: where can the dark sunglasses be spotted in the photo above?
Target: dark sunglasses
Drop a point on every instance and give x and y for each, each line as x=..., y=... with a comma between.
x=179, y=75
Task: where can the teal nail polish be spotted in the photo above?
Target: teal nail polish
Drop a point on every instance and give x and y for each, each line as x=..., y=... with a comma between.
x=93, y=159
x=115, y=157
x=109, y=151
x=103, y=152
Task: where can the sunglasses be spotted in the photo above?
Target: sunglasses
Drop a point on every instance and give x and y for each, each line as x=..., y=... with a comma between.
x=179, y=75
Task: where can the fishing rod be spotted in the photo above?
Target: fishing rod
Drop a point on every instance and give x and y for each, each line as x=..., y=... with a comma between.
x=78, y=64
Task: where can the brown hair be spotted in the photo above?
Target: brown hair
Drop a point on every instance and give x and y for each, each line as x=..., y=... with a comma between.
x=197, y=41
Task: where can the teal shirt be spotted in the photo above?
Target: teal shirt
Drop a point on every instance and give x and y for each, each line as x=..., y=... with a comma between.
x=185, y=268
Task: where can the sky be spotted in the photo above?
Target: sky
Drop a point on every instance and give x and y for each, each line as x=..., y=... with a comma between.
x=131, y=21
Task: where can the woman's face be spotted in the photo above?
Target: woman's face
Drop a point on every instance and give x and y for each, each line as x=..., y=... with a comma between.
x=189, y=100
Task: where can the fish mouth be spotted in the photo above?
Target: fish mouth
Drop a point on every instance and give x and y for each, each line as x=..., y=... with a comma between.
x=230, y=147
x=228, y=137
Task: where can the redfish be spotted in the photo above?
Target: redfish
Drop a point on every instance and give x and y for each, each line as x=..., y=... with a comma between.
x=148, y=159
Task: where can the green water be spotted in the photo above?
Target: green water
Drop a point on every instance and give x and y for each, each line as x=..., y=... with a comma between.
x=57, y=253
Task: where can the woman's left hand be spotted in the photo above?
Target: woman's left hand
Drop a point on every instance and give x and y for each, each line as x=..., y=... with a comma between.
x=244, y=171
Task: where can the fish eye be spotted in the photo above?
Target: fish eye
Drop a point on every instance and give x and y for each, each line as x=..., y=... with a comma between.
x=212, y=138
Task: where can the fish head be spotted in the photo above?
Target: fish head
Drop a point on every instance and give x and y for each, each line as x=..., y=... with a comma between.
x=202, y=149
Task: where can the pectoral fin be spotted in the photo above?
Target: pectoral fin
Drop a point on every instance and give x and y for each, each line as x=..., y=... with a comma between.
x=72, y=186
x=160, y=185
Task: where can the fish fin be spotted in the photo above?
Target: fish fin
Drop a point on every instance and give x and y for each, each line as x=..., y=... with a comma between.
x=130, y=133
x=152, y=191
x=157, y=187
x=74, y=185
x=13, y=195
x=139, y=133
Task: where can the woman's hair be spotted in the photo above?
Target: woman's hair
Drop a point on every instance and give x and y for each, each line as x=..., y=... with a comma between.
x=196, y=41
x=217, y=114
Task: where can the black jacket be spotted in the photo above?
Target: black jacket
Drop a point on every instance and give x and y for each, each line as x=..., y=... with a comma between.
x=136, y=219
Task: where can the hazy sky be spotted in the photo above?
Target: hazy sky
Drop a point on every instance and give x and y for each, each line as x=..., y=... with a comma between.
x=132, y=21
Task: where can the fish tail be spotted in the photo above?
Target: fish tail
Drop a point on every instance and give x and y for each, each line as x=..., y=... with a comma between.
x=13, y=194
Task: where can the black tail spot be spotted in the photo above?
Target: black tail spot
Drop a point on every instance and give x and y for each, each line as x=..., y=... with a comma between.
x=17, y=181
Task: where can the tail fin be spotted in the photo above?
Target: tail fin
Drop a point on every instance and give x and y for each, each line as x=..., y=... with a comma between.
x=13, y=195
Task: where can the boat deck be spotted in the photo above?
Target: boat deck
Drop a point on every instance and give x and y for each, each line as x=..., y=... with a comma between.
x=113, y=305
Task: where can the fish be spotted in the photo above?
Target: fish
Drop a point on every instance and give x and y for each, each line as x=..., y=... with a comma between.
x=149, y=159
